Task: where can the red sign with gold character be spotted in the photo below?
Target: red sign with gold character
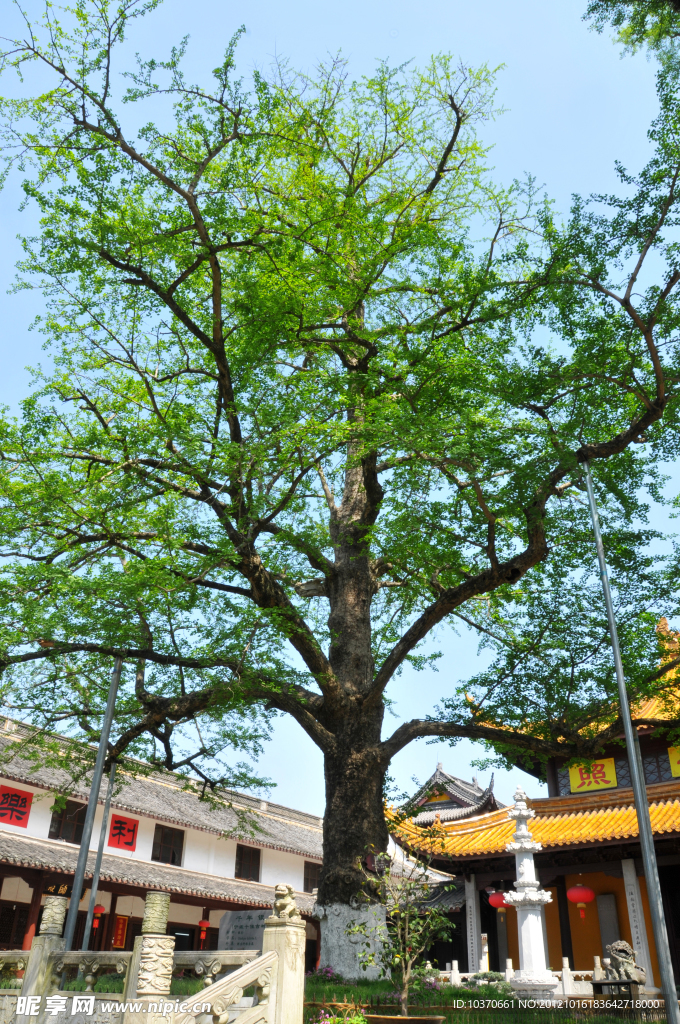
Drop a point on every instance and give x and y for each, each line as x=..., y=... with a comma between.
x=119, y=932
x=123, y=832
x=15, y=806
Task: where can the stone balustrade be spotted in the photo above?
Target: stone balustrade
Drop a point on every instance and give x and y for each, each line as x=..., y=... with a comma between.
x=276, y=975
x=15, y=960
x=210, y=963
x=89, y=964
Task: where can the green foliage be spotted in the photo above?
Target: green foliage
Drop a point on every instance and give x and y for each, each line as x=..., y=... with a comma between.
x=103, y=983
x=652, y=23
x=320, y=386
x=186, y=986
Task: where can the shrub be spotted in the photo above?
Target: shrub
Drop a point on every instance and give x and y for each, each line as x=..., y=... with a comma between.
x=325, y=974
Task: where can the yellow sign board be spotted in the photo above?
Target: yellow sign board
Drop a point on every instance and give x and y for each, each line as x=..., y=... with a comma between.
x=674, y=758
x=602, y=775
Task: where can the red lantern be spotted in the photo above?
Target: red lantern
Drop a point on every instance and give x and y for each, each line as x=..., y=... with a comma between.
x=580, y=895
x=203, y=925
x=98, y=911
x=497, y=899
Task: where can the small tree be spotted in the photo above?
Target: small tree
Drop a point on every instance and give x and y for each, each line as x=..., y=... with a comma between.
x=415, y=918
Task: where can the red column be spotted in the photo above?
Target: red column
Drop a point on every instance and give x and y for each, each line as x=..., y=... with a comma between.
x=33, y=912
x=107, y=926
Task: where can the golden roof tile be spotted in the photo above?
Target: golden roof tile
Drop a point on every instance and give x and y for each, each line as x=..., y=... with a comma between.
x=559, y=821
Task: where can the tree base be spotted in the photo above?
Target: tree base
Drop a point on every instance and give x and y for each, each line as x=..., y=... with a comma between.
x=339, y=950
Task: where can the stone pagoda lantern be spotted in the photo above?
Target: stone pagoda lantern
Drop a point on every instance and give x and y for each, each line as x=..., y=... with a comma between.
x=534, y=980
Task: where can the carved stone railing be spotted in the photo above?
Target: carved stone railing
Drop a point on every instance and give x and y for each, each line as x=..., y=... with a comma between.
x=276, y=976
x=225, y=995
x=12, y=963
x=209, y=963
x=89, y=964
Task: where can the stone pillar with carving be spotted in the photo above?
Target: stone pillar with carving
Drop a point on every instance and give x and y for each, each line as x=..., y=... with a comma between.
x=39, y=979
x=150, y=971
x=534, y=979
x=285, y=934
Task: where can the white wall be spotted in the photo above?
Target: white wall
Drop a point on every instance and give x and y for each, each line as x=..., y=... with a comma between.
x=130, y=906
x=16, y=889
x=182, y=913
x=203, y=852
x=276, y=867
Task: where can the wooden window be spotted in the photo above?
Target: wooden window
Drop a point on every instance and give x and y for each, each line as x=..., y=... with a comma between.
x=657, y=767
x=247, y=863
x=13, y=921
x=312, y=872
x=67, y=824
x=168, y=844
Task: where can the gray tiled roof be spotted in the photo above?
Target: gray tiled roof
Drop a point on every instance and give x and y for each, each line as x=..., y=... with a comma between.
x=446, y=894
x=25, y=851
x=465, y=799
x=162, y=798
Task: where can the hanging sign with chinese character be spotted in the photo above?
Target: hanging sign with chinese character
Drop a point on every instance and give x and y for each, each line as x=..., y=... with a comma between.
x=674, y=758
x=123, y=832
x=119, y=932
x=602, y=775
x=15, y=806
x=57, y=887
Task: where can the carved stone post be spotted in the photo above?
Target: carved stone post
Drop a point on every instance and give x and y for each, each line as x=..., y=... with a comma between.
x=39, y=979
x=284, y=933
x=150, y=971
x=534, y=978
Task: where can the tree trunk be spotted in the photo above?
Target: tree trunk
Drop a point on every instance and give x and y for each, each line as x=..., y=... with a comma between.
x=354, y=822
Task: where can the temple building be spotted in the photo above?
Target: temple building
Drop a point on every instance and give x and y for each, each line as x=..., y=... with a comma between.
x=589, y=834
x=159, y=836
x=447, y=798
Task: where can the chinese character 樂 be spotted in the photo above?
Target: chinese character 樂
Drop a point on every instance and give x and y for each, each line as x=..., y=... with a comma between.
x=13, y=806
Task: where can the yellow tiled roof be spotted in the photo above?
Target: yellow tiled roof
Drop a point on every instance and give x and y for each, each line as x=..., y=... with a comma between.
x=559, y=821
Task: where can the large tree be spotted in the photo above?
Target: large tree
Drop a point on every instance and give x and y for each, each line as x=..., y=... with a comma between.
x=651, y=23
x=319, y=388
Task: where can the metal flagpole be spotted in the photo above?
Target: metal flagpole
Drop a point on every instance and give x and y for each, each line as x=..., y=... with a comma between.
x=639, y=788
x=72, y=915
x=98, y=862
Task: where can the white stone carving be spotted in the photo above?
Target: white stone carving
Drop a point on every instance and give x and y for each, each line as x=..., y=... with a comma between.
x=54, y=915
x=284, y=903
x=286, y=937
x=636, y=917
x=534, y=979
x=155, y=965
x=473, y=924
x=156, y=911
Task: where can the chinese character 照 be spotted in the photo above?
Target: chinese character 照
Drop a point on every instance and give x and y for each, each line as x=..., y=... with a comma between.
x=595, y=777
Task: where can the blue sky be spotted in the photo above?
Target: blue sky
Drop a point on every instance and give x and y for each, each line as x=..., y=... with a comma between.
x=572, y=107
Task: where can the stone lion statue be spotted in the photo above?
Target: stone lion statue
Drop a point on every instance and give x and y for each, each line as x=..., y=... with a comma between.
x=284, y=903
x=623, y=966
